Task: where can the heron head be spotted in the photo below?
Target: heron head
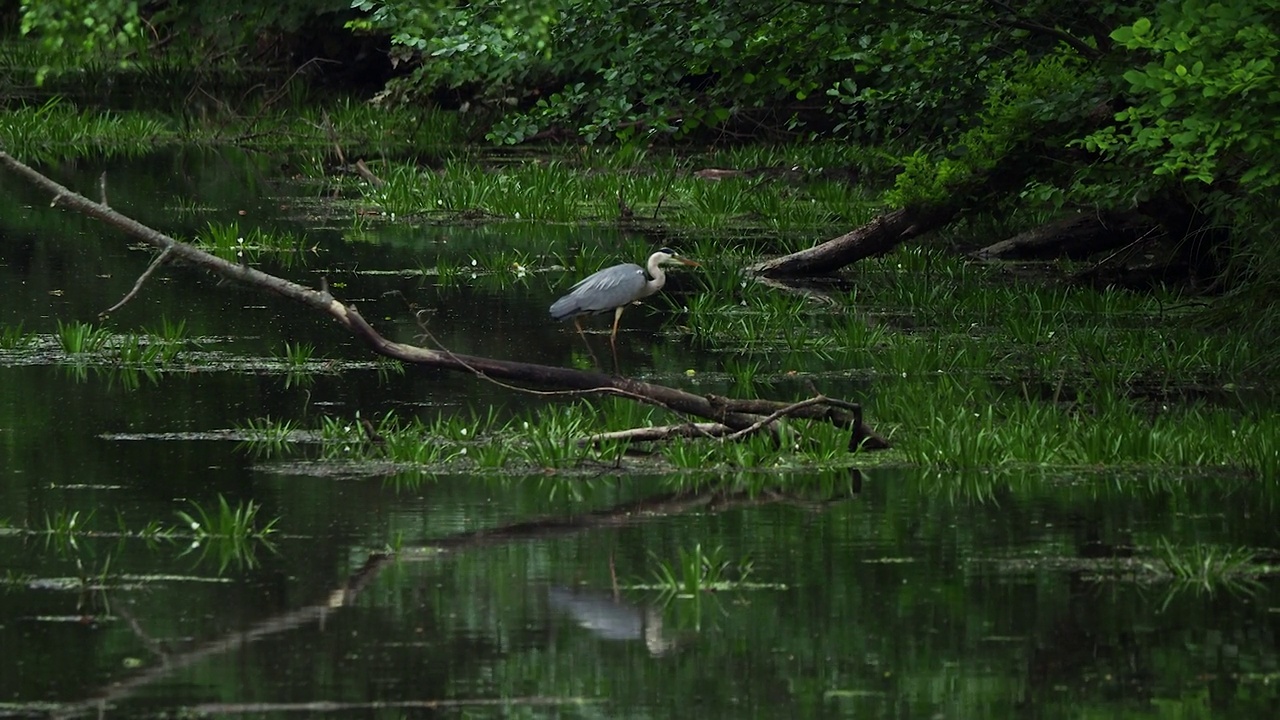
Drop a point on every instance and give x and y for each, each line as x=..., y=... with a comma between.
x=669, y=255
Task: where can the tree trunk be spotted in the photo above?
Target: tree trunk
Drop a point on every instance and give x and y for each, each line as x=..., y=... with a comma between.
x=1075, y=237
x=875, y=238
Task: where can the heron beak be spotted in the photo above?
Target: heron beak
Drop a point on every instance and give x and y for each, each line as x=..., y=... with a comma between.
x=686, y=261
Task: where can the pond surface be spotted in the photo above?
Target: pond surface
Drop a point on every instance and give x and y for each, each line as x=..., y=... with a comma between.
x=881, y=592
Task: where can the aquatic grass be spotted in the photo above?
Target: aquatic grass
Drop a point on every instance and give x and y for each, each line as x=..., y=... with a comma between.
x=130, y=377
x=297, y=356
x=448, y=275
x=80, y=338
x=378, y=130
x=696, y=571
x=63, y=526
x=842, y=202
x=822, y=444
x=491, y=455
x=447, y=439
x=405, y=192
x=345, y=438
x=689, y=453
x=756, y=451
x=136, y=351
x=783, y=212
x=618, y=414
x=552, y=440
x=623, y=156
x=983, y=429
x=15, y=337
x=542, y=191
x=744, y=373
x=721, y=279
x=56, y=130
x=503, y=269
x=608, y=452
x=1208, y=567
x=1258, y=449
x=858, y=331
x=233, y=533
x=602, y=195
x=958, y=437
x=171, y=332
x=710, y=204
x=458, y=428
x=171, y=338
x=268, y=437
x=229, y=242
x=1030, y=328
x=239, y=523
x=388, y=367
x=298, y=359
x=409, y=445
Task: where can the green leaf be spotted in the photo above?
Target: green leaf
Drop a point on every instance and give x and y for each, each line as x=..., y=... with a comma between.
x=1137, y=78
x=1122, y=35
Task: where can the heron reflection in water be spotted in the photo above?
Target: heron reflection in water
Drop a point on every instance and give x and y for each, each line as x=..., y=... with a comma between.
x=613, y=288
x=609, y=618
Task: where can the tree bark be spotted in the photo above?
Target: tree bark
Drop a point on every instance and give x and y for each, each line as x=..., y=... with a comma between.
x=875, y=238
x=736, y=414
x=1076, y=237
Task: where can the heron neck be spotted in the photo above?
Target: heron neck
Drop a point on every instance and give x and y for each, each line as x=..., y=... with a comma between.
x=659, y=278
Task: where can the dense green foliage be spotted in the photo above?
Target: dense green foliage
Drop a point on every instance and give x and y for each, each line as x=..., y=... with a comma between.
x=1204, y=105
x=127, y=33
x=1164, y=106
x=1182, y=91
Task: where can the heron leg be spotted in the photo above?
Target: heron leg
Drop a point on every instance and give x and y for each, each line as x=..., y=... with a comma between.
x=613, y=339
x=577, y=322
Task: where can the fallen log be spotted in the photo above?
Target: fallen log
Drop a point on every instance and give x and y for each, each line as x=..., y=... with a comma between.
x=739, y=415
x=1076, y=237
x=877, y=237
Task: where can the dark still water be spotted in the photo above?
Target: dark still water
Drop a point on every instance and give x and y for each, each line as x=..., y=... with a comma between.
x=888, y=593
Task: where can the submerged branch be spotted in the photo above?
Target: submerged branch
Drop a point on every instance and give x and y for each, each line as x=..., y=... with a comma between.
x=736, y=414
x=159, y=260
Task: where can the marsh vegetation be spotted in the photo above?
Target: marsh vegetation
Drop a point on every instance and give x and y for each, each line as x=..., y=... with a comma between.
x=1077, y=507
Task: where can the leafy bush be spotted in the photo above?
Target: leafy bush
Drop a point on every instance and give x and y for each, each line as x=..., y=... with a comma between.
x=1203, y=108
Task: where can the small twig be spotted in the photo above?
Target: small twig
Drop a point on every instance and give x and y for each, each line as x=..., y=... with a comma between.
x=157, y=262
x=102, y=188
x=327, y=126
x=426, y=335
x=660, y=432
x=817, y=400
x=151, y=643
x=367, y=174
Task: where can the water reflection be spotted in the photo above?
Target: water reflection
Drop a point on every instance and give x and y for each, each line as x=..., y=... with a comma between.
x=608, y=617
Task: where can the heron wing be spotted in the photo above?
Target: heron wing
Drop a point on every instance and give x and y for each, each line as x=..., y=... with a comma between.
x=600, y=291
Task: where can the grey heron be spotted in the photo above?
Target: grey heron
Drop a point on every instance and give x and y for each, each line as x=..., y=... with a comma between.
x=613, y=288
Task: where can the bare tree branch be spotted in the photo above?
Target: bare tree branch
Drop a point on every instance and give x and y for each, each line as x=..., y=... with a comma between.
x=157, y=262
